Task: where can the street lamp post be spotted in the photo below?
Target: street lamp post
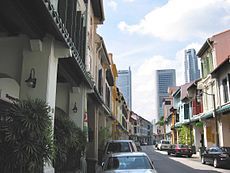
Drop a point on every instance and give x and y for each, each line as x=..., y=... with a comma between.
x=215, y=116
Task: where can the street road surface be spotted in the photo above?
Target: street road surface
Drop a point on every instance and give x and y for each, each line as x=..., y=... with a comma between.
x=172, y=164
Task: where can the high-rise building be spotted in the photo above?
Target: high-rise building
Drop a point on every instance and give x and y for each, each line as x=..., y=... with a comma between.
x=124, y=83
x=164, y=78
x=191, y=66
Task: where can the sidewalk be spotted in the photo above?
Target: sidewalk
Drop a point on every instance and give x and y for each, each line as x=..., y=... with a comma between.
x=196, y=156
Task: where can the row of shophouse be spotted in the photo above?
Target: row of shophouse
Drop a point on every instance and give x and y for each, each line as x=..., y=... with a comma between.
x=203, y=106
x=50, y=49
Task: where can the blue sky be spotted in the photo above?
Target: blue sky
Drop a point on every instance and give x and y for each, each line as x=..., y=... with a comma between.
x=148, y=35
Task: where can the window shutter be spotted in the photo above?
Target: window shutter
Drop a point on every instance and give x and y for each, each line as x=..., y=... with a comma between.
x=77, y=31
x=62, y=9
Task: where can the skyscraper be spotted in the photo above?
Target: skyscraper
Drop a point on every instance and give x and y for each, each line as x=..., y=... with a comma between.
x=164, y=79
x=124, y=83
x=191, y=66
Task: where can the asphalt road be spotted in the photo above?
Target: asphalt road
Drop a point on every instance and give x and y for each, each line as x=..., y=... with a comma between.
x=171, y=164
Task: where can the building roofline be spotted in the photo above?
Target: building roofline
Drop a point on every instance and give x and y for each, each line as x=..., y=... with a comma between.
x=227, y=60
x=204, y=47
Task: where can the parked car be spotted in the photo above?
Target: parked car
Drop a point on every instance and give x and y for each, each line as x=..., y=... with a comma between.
x=163, y=145
x=132, y=162
x=180, y=150
x=218, y=156
x=117, y=146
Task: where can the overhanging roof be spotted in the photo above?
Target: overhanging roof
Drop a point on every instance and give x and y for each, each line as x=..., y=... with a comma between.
x=204, y=48
x=225, y=63
x=98, y=9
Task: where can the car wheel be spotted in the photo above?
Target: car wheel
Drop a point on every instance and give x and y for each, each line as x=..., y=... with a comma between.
x=190, y=155
x=202, y=160
x=160, y=148
x=215, y=163
x=168, y=153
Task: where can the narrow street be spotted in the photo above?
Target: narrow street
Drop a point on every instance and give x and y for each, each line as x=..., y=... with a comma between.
x=164, y=163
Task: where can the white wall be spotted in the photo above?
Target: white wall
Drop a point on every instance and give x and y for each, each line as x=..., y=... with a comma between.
x=225, y=137
x=10, y=87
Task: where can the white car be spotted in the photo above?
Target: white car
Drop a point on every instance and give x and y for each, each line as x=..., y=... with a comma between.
x=163, y=145
x=118, y=146
x=131, y=162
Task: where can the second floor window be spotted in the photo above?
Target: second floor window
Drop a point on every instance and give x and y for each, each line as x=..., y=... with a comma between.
x=186, y=111
x=100, y=88
x=225, y=90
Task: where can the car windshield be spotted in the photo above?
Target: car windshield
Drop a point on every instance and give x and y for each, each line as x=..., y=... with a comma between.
x=118, y=147
x=128, y=162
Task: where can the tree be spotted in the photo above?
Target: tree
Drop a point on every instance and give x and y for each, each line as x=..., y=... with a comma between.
x=25, y=137
x=69, y=141
x=184, y=135
x=161, y=121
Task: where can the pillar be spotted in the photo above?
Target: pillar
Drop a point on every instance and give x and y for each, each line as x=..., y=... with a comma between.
x=42, y=56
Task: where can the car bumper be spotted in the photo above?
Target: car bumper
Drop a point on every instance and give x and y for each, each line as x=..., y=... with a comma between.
x=224, y=161
x=184, y=153
x=164, y=147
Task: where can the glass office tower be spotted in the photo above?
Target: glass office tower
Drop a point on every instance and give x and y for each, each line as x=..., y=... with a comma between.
x=124, y=83
x=191, y=66
x=165, y=78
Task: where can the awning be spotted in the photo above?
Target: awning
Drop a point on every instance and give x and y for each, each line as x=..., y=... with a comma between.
x=223, y=109
x=207, y=115
x=196, y=118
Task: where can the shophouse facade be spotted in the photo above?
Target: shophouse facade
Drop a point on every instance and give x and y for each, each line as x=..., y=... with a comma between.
x=55, y=44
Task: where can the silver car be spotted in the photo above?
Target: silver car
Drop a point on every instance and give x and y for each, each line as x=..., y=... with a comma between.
x=131, y=162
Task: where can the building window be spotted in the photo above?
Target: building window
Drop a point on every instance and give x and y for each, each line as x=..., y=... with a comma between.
x=100, y=88
x=186, y=111
x=225, y=90
x=167, y=102
x=135, y=130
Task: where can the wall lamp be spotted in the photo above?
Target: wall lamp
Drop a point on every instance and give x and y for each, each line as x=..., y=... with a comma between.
x=31, y=81
x=75, y=108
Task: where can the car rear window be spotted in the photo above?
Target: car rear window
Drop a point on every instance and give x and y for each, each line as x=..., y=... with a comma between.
x=182, y=146
x=165, y=142
x=128, y=162
x=118, y=147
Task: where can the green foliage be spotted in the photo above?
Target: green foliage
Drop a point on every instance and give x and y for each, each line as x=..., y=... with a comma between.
x=103, y=136
x=184, y=135
x=25, y=137
x=161, y=121
x=199, y=124
x=69, y=141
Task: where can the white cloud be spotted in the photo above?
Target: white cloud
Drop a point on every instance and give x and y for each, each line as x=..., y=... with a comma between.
x=112, y=4
x=144, y=88
x=182, y=19
x=129, y=0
